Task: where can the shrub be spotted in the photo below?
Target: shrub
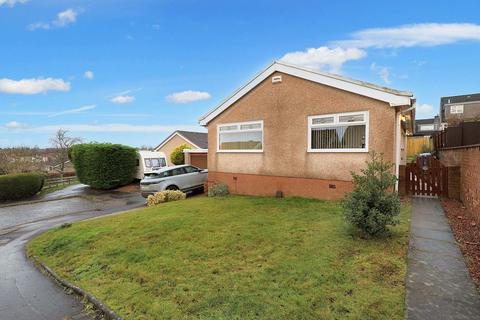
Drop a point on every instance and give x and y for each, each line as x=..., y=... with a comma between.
x=165, y=196
x=104, y=165
x=177, y=157
x=373, y=205
x=218, y=189
x=20, y=186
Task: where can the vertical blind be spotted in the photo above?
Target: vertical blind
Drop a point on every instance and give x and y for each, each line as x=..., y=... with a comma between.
x=339, y=131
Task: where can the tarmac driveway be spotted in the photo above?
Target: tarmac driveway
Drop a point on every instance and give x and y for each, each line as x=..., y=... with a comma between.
x=25, y=293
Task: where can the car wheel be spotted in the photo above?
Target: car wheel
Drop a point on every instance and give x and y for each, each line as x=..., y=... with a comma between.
x=172, y=188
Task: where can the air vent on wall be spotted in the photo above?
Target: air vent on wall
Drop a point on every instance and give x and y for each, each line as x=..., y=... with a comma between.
x=276, y=79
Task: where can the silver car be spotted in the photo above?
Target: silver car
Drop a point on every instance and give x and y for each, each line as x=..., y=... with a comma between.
x=183, y=177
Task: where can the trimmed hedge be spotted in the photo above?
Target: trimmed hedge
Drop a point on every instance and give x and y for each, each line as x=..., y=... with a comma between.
x=104, y=165
x=21, y=185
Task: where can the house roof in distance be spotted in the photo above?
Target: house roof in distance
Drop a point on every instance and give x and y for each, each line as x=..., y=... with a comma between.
x=474, y=97
x=391, y=96
x=198, y=140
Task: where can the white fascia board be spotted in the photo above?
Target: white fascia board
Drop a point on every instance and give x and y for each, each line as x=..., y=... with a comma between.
x=392, y=99
x=195, y=150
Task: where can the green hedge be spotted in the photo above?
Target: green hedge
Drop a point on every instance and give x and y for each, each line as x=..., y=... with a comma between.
x=104, y=165
x=20, y=185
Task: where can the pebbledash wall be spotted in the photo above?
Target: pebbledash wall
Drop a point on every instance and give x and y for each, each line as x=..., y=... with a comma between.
x=285, y=165
x=464, y=175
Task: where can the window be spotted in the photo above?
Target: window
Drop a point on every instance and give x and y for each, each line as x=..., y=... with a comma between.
x=427, y=127
x=177, y=171
x=240, y=137
x=155, y=162
x=456, y=108
x=342, y=132
x=191, y=169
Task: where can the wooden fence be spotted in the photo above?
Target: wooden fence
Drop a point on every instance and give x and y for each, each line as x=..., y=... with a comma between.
x=415, y=144
x=55, y=182
x=465, y=134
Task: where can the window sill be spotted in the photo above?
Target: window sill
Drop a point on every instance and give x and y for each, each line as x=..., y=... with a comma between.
x=239, y=151
x=337, y=150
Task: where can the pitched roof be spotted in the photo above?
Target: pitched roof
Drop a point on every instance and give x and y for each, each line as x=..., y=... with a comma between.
x=198, y=139
x=391, y=96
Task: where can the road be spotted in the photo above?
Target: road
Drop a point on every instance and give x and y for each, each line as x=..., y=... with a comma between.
x=25, y=293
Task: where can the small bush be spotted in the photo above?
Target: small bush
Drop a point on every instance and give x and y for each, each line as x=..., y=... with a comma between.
x=20, y=186
x=219, y=189
x=165, y=196
x=104, y=165
x=177, y=157
x=373, y=205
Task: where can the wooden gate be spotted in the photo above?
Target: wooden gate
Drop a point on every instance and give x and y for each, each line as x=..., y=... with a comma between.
x=426, y=176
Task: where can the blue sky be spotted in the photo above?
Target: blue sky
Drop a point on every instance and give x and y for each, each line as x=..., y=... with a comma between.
x=133, y=71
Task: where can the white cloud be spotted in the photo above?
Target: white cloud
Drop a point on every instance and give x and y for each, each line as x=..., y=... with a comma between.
x=382, y=71
x=122, y=99
x=15, y=125
x=63, y=19
x=11, y=3
x=70, y=111
x=111, y=128
x=324, y=58
x=425, y=111
x=188, y=96
x=88, y=75
x=420, y=34
x=33, y=86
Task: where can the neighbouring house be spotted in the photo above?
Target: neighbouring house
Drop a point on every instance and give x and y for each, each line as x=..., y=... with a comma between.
x=301, y=132
x=421, y=141
x=426, y=127
x=196, y=141
x=464, y=107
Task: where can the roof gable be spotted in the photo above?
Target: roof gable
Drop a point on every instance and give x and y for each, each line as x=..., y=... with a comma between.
x=391, y=96
x=198, y=140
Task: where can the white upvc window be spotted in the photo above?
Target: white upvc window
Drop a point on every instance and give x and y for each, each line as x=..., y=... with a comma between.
x=339, y=132
x=240, y=137
x=456, y=108
x=427, y=127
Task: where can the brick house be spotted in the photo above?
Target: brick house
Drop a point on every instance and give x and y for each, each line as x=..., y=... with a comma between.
x=302, y=132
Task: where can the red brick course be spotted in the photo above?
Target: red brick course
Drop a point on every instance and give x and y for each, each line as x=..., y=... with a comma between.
x=263, y=185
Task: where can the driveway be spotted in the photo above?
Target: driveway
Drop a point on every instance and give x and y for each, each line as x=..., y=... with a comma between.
x=25, y=292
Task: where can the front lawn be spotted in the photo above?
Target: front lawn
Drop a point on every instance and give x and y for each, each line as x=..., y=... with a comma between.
x=233, y=258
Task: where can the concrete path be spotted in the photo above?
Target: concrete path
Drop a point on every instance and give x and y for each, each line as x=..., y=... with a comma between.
x=438, y=283
x=25, y=293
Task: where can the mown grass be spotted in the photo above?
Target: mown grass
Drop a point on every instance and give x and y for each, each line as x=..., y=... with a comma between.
x=233, y=258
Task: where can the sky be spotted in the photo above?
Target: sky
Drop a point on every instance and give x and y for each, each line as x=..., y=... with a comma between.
x=132, y=72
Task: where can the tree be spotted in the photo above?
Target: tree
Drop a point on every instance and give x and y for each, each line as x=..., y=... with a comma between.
x=177, y=157
x=373, y=205
x=61, y=143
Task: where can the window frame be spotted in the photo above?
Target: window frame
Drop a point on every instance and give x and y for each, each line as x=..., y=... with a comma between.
x=336, y=123
x=457, y=109
x=237, y=131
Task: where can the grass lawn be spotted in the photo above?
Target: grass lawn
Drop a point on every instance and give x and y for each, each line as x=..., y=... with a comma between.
x=233, y=258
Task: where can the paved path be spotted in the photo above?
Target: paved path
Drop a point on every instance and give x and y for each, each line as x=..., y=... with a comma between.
x=438, y=283
x=25, y=293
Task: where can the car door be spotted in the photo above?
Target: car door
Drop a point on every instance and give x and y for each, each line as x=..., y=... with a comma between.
x=180, y=178
x=195, y=176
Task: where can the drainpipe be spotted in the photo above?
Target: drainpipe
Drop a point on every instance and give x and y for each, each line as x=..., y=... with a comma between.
x=398, y=134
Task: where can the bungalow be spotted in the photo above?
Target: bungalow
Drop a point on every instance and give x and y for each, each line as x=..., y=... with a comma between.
x=302, y=132
x=196, y=141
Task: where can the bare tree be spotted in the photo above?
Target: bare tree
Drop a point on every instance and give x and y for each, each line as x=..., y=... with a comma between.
x=61, y=143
